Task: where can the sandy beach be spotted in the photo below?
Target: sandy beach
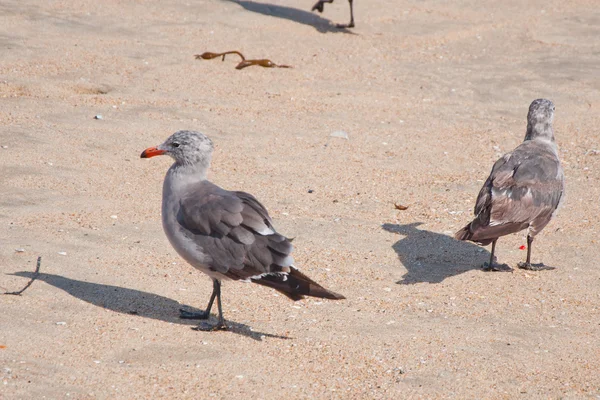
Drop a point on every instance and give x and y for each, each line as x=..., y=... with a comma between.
x=428, y=94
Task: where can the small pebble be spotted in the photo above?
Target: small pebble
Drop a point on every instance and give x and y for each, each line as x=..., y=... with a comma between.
x=310, y=191
x=5, y=147
x=98, y=116
x=340, y=134
x=114, y=217
x=61, y=323
x=20, y=250
x=62, y=253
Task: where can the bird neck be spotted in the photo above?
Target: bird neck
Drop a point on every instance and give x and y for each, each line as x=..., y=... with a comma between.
x=188, y=172
x=541, y=130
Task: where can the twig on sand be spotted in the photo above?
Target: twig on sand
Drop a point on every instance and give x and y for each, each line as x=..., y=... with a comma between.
x=33, y=278
x=244, y=63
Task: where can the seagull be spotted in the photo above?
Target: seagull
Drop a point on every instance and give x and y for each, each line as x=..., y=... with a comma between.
x=523, y=190
x=319, y=7
x=227, y=235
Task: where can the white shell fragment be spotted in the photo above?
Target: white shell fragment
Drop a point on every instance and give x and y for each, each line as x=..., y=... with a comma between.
x=340, y=134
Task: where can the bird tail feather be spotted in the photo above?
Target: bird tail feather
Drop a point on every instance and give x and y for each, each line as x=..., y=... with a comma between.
x=464, y=234
x=296, y=285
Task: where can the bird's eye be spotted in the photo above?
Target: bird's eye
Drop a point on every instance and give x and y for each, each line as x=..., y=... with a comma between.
x=175, y=145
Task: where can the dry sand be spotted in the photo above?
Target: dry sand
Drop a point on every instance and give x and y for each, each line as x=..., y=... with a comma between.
x=431, y=93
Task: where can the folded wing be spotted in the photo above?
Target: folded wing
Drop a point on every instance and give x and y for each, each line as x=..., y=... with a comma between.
x=234, y=229
x=523, y=190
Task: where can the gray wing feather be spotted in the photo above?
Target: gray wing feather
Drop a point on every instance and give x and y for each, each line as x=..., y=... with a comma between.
x=524, y=187
x=234, y=230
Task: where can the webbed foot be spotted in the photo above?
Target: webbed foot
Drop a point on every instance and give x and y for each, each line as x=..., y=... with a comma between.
x=534, y=267
x=207, y=327
x=495, y=267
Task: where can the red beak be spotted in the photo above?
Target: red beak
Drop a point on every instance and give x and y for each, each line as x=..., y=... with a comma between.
x=151, y=152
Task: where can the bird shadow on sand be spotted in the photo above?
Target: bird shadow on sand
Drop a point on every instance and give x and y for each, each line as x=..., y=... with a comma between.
x=432, y=257
x=135, y=302
x=293, y=14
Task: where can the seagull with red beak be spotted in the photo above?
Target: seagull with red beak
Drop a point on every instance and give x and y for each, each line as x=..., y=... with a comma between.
x=227, y=235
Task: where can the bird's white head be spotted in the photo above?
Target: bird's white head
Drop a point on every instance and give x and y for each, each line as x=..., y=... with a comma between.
x=187, y=148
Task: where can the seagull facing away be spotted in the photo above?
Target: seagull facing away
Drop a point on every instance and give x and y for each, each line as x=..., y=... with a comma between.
x=523, y=190
x=319, y=7
x=227, y=235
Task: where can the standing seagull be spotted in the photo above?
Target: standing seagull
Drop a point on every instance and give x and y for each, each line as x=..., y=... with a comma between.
x=226, y=235
x=319, y=7
x=523, y=189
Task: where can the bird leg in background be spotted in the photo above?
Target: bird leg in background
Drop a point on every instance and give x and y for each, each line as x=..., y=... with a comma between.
x=351, y=24
x=494, y=266
x=319, y=7
x=203, y=326
x=244, y=63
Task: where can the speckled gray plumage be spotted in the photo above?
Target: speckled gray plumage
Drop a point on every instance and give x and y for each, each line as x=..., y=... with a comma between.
x=524, y=187
x=225, y=234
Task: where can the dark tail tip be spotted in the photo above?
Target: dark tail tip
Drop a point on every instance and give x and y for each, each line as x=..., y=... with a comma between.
x=296, y=285
x=321, y=292
x=308, y=287
x=464, y=234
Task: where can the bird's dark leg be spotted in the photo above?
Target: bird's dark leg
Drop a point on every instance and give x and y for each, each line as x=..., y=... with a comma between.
x=221, y=324
x=184, y=314
x=527, y=264
x=493, y=251
x=351, y=24
x=204, y=326
x=319, y=5
x=492, y=265
x=529, y=243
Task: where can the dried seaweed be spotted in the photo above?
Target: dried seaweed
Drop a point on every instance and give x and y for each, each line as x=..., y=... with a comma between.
x=244, y=63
